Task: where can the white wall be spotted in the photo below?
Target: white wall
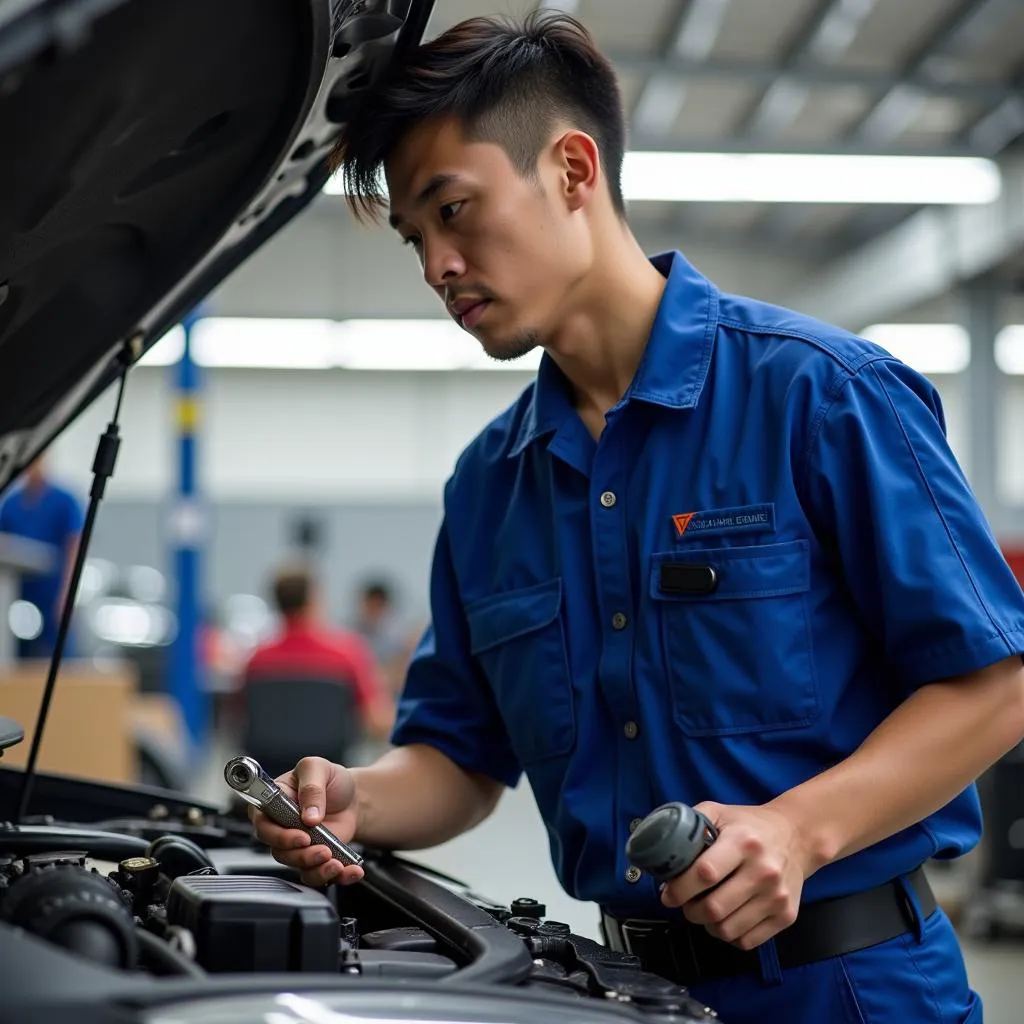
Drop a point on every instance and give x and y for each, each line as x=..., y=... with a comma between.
x=354, y=436
x=296, y=435
x=324, y=265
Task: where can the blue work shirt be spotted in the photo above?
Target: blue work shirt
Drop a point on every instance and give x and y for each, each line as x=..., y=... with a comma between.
x=51, y=515
x=769, y=549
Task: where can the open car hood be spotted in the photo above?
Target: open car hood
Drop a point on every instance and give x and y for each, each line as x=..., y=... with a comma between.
x=148, y=149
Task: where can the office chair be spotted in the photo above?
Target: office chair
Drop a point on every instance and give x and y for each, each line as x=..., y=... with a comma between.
x=288, y=718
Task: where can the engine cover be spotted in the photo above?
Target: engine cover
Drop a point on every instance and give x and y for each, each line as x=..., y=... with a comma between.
x=255, y=923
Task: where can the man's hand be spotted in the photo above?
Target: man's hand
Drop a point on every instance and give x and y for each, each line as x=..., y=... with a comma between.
x=326, y=795
x=746, y=886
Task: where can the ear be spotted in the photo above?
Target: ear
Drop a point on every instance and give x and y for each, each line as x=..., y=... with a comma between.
x=580, y=165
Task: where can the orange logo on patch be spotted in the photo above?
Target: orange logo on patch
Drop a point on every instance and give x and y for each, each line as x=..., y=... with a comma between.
x=682, y=522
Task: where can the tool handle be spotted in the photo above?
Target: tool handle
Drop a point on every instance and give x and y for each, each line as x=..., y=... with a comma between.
x=669, y=840
x=285, y=813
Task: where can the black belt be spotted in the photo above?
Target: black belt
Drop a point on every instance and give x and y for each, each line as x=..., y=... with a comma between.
x=688, y=954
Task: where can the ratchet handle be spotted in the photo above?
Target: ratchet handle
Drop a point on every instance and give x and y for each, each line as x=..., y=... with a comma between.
x=285, y=813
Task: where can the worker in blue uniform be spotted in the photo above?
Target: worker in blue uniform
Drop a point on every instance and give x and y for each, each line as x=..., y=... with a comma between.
x=717, y=553
x=41, y=509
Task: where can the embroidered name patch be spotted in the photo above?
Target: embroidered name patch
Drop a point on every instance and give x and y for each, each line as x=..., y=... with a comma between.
x=745, y=518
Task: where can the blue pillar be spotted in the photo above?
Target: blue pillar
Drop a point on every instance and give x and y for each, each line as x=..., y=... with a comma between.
x=187, y=529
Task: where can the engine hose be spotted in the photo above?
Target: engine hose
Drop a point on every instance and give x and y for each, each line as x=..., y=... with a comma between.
x=163, y=959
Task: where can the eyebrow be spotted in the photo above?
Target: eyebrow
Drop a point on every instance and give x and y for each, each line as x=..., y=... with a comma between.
x=432, y=187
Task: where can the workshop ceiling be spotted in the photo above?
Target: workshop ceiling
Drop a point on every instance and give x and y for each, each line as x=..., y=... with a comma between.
x=900, y=77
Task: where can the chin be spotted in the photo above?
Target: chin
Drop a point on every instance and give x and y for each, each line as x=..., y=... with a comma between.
x=511, y=347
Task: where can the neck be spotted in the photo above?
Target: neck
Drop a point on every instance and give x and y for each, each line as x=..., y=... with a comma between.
x=603, y=336
x=299, y=620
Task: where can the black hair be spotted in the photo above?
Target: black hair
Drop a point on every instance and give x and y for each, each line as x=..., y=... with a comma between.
x=377, y=589
x=293, y=588
x=506, y=82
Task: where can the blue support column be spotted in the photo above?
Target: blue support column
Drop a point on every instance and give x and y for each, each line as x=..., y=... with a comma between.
x=187, y=530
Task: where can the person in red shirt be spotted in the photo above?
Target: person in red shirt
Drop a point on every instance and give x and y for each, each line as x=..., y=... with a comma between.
x=308, y=645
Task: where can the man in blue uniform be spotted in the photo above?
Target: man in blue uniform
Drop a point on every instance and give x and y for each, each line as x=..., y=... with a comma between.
x=42, y=510
x=717, y=553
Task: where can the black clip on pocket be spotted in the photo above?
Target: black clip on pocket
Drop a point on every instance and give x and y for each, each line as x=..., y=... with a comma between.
x=681, y=578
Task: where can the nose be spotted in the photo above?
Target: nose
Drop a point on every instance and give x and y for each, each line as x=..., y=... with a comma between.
x=442, y=264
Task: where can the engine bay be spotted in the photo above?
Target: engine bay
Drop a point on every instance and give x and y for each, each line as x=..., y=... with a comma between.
x=143, y=896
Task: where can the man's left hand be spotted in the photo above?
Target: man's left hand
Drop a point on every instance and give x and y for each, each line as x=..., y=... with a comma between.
x=746, y=886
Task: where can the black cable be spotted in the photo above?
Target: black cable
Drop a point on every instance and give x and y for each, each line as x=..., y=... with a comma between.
x=166, y=959
x=103, y=469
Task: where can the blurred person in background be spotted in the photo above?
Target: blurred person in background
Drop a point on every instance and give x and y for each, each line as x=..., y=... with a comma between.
x=40, y=509
x=378, y=622
x=308, y=645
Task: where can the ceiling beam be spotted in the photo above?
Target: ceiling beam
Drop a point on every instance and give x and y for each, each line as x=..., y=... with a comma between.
x=813, y=73
x=897, y=107
x=841, y=147
x=998, y=128
x=927, y=256
x=696, y=27
x=826, y=34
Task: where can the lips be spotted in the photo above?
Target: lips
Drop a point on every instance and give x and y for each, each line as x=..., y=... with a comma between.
x=469, y=311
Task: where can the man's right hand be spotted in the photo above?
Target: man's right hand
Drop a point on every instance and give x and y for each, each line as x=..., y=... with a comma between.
x=326, y=795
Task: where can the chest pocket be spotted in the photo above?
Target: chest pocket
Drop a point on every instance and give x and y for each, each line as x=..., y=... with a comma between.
x=519, y=640
x=735, y=637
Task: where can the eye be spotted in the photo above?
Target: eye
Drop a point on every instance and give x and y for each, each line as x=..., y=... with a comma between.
x=449, y=210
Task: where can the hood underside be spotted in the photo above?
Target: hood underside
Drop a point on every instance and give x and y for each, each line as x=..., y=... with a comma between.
x=148, y=149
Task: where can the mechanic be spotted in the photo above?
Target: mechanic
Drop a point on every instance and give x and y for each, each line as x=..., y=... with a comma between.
x=717, y=553
x=41, y=509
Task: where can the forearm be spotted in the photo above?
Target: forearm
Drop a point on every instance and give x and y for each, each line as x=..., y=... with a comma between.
x=925, y=753
x=415, y=797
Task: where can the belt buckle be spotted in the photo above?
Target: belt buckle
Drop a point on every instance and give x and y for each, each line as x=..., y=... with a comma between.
x=663, y=950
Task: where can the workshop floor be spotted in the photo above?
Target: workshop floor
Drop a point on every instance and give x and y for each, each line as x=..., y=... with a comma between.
x=507, y=857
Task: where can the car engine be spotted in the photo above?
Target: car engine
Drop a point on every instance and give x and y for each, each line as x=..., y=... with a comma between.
x=167, y=896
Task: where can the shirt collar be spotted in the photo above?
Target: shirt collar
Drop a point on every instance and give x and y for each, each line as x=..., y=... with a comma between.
x=674, y=365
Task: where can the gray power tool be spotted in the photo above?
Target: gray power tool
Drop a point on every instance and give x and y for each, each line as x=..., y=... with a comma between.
x=669, y=840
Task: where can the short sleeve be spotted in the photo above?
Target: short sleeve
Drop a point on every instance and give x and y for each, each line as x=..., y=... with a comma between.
x=446, y=702
x=887, y=496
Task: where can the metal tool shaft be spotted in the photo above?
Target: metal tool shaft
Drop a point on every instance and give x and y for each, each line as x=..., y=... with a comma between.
x=247, y=778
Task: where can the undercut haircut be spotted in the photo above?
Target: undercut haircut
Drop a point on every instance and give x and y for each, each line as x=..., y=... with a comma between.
x=505, y=81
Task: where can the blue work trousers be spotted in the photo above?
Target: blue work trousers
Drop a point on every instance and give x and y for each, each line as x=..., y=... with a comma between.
x=917, y=978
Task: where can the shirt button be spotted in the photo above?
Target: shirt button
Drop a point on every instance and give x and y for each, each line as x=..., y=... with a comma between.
x=633, y=874
x=631, y=729
x=634, y=824
x=608, y=499
x=619, y=621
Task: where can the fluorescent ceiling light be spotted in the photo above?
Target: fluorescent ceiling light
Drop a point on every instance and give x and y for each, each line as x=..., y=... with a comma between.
x=1010, y=349
x=358, y=344
x=412, y=345
x=167, y=350
x=252, y=342
x=416, y=345
x=808, y=178
x=927, y=348
x=799, y=178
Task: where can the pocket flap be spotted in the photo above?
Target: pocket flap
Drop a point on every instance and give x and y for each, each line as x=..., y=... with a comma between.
x=499, y=618
x=757, y=570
